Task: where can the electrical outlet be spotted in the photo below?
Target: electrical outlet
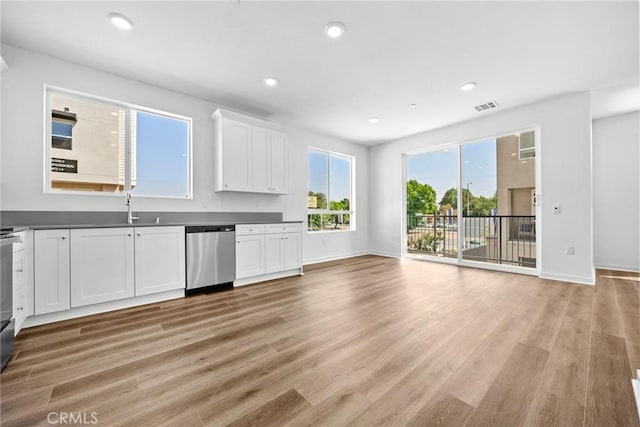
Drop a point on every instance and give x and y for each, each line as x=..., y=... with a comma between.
x=571, y=250
x=556, y=209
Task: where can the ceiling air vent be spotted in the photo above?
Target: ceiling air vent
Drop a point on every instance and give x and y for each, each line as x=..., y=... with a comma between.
x=486, y=106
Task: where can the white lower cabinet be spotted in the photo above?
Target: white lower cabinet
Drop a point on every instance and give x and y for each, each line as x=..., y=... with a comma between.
x=102, y=265
x=268, y=251
x=80, y=267
x=274, y=253
x=250, y=255
x=292, y=251
x=159, y=259
x=21, y=304
x=51, y=271
x=283, y=252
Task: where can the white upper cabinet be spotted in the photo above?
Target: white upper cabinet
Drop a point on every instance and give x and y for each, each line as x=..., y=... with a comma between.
x=235, y=149
x=250, y=155
x=279, y=163
x=260, y=156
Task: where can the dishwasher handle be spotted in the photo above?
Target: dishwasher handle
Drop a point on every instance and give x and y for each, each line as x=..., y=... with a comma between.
x=210, y=228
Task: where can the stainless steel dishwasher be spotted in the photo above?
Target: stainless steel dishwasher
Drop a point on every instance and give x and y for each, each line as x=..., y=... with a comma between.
x=211, y=257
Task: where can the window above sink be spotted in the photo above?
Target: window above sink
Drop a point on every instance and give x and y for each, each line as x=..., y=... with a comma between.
x=100, y=146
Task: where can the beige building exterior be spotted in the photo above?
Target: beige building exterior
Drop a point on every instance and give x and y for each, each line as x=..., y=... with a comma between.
x=95, y=160
x=515, y=193
x=516, y=180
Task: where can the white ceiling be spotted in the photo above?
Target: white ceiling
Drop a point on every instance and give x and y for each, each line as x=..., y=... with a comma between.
x=393, y=54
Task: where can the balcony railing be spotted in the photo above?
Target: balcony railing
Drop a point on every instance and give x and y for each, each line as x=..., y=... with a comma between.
x=501, y=239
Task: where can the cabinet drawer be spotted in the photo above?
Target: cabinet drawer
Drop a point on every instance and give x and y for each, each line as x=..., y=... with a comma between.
x=283, y=228
x=246, y=229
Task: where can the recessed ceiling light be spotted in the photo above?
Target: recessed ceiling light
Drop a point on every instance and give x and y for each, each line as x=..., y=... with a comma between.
x=412, y=105
x=374, y=120
x=334, y=29
x=120, y=21
x=271, y=81
x=468, y=86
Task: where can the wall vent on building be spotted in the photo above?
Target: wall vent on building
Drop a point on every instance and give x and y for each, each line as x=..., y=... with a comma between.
x=486, y=106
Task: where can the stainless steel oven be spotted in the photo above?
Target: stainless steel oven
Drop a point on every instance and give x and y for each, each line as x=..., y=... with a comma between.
x=7, y=239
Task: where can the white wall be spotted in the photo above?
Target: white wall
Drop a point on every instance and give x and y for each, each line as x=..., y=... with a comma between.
x=616, y=192
x=22, y=152
x=565, y=157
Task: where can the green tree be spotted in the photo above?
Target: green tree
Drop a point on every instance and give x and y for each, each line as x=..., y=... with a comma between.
x=450, y=198
x=321, y=199
x=342, y=205
x=478, y=206
x=420, y=197
x=481, y=206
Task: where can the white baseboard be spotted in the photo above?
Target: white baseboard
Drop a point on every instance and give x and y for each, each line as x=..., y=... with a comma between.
x=334, y=257
x=583, y=280
x=384, y=254
x=618, y=267
x=270, y=276
x=88, y=310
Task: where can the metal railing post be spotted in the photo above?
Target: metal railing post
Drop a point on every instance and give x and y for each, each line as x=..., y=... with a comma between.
x=500, y=239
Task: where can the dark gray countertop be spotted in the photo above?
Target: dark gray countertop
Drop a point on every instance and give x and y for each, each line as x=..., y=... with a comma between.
x=49, y=220
x=168, y=224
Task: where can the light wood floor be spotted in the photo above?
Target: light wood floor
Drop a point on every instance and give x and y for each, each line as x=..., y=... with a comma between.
x=365, y=341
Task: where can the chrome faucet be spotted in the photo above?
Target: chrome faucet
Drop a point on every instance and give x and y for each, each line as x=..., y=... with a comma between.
x=130, y=217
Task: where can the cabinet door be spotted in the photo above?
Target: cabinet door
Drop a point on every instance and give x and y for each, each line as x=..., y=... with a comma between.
x=236, y=156
x=279, y=163
x=51, y=271
x=102, y=265
x=275, y=253
x=260, y=142
x=19, y=296
x=19, y=308
x=249, y=256
x=159, y=259
x=292, y=251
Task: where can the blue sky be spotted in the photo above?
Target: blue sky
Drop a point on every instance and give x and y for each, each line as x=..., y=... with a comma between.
x=162, y=156
x=340, y=175
x=439, y=168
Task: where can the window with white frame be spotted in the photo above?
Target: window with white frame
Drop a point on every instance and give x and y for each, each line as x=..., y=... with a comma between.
x=527, y=145
x=103, y=146
x=330, y=201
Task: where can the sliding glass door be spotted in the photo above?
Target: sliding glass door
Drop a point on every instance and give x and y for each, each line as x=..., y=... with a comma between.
x=479, y=199
x=432, y=202
x=493, y=182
